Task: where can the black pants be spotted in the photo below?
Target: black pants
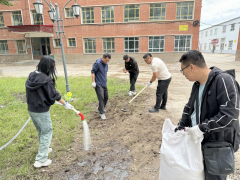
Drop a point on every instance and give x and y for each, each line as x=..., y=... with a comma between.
x=162, y=92
x=102, y=94
x=133, y=78
x=212, y=177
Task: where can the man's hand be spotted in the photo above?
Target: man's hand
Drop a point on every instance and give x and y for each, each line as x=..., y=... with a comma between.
x=68, y=106
x=93, y=84
x=124, y=70
x=195, y=133
x=149, y=83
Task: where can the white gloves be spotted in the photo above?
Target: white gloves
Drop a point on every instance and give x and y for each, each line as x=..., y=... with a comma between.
x=68, y=106
x=195, y=133
x=93, y=84
x=149, y=83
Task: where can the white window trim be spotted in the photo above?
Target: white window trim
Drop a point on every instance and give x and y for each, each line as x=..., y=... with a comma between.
x=232, y=29
x=12, y=17
x=17, y=47
x=231, y=46
x=68, y=42
x=176, y=10
x=134, y=44
x=185, y=46
x=160, y=39
x=65, y=14
x=83, y=44
x=54, y=46
x=32, y=17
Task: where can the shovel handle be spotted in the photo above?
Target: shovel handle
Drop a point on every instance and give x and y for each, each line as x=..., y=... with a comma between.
x=137, y=94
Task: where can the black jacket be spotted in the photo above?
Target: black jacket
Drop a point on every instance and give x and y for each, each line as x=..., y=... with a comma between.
x=219, y=108
x=40, y=92
x=132, y=66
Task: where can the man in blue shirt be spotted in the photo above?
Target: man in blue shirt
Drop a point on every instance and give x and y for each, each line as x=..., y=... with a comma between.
x=99, y=82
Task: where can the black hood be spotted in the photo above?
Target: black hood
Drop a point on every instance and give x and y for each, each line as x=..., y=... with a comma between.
x=215, y=71
x=36, y=80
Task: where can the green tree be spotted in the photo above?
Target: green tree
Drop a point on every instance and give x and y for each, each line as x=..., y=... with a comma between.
x=6, y=3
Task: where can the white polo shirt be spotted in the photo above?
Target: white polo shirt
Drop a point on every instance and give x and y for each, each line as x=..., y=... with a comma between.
x=159, y=66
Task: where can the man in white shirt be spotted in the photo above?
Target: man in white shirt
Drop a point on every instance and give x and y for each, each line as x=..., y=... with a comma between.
x=161, y=73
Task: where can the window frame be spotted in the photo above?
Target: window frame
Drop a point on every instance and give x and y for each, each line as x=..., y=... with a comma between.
x=136, y=50
x=2, y=20
x=65, y=12
x=224, y=29
x=180, y=14
x=232, y=27
x=206, y=33
x=152, y=49
x=112, y=50
x=215, y=31
x=16, y=43
x=84, y=48
x=68, y=42
x=211, y=32
x=185, y=43
x=230, y=48
x=32, y=18
x=54, y=43
x=84, y=11
x=5, y=45
x=136, y=19
x=154, y=8
x=12, y=19
x=104, y=10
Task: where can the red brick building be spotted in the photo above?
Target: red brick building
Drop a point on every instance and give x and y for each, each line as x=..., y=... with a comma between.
x=164, y=27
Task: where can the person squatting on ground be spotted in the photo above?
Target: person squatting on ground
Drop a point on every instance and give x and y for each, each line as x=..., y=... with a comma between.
x=131, y=67
x=217, y=107
x=99, y=82
x=161, y=73
x=41, y=94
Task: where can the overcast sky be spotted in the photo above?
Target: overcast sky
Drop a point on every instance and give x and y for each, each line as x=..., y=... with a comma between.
x=217, y=11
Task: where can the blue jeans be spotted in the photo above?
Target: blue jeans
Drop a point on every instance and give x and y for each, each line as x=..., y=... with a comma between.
x=43, y=124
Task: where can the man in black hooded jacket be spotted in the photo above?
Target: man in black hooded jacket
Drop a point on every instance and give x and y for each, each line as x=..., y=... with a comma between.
x=218, y=106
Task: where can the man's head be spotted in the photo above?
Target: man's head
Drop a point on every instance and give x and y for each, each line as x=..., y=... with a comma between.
x=192, y=63
x=126, y=58
x=106, y=58
x=148, y=58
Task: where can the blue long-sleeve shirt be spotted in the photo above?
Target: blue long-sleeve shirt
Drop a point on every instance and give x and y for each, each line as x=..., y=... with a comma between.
x=100, y=70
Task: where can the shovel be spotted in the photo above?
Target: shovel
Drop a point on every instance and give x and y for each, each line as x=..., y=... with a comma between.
x=124, y=110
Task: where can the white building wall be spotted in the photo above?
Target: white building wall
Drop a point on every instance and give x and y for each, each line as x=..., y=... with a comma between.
x=205, y=45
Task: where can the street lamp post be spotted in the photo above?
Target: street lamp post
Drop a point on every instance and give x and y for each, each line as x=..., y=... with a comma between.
x=54, y=16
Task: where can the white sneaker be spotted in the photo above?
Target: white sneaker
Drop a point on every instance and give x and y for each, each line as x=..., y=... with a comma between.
x=133, y=93
x=103, y=116
x=97, y=111
x=49, y=150
x=39, y=164
x=130, y=93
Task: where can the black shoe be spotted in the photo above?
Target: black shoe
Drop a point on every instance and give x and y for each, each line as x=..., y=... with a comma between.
x=163, y=107
x=153, y=110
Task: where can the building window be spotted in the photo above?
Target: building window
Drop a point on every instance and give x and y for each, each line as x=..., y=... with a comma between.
x=131, y=13
x=1, y=20
x=108, y=45
x=21, y=47
x=157, y=11
x=224, y=29
x=232, y=27
x=17, y=18
x=89, y=45
x=184, y=10
x=36, y=19
x=156, y=44
x=131, y=44
x=68, y=12
x=72, y=42
x=56, y=42
x=87, y=15
x=3, y=47
x=216, y=30
x=182, y=43
x=206, y=34
x=107, y=14
x=230, y=44
x=211, y=32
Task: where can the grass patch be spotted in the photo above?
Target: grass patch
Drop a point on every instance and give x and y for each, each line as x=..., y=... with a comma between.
x=17, y=158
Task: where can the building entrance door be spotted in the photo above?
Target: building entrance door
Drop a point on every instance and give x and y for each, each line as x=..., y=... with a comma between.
x=40, y=47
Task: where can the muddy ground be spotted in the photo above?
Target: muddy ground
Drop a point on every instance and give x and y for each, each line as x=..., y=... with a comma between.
x=127, y=144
